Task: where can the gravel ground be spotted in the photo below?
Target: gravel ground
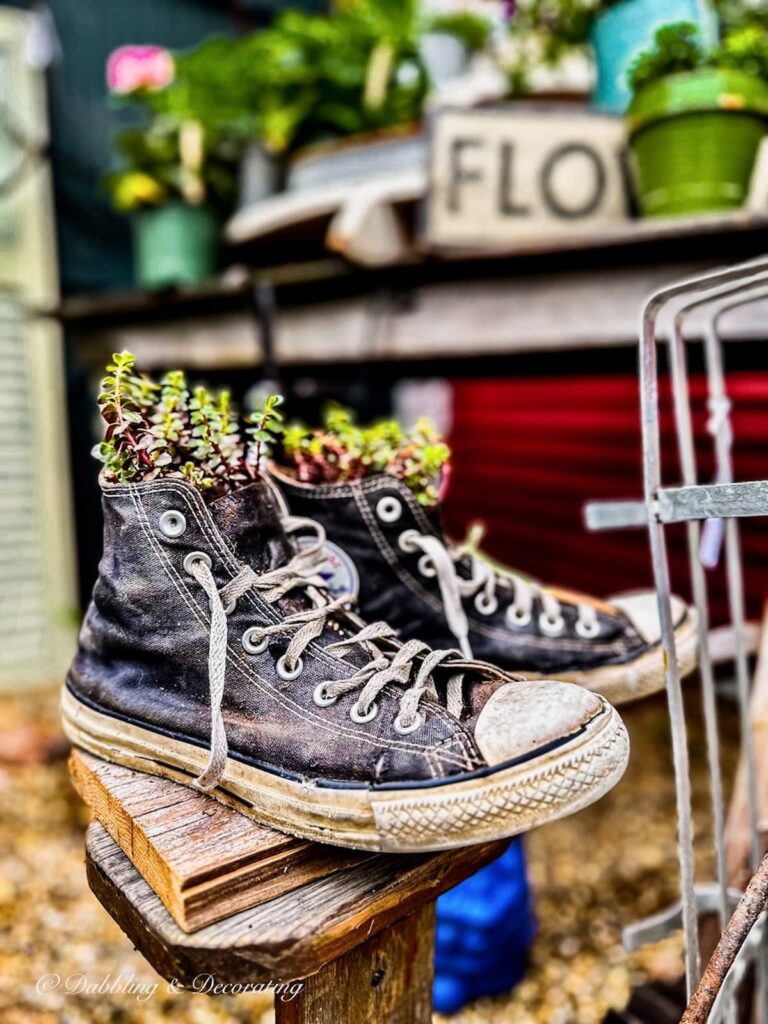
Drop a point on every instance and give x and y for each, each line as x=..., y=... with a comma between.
x=591, y=874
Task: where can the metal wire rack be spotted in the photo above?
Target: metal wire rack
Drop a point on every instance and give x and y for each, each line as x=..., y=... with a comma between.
x=717, y=505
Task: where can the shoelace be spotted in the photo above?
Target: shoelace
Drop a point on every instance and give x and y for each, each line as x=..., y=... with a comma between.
x=383, y=668
x=441, y=562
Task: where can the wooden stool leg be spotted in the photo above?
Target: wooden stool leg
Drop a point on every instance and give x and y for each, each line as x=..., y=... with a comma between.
x=386, y=980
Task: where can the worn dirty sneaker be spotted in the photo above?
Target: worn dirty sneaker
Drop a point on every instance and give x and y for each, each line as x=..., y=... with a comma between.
x=390, y=553
x=213, y=654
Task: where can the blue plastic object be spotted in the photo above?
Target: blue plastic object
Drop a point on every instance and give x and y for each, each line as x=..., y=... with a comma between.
x=626, y=28
x=485, y=928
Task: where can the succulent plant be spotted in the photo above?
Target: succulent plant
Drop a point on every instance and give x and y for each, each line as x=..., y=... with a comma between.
x=167, y=429
x=341, y=450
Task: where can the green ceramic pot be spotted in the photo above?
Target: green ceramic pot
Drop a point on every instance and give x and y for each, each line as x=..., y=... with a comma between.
x=175, y=244
x=694, y=138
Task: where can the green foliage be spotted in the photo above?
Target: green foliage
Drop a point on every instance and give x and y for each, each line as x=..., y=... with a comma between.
x=341, y=450
x=545, y=32
x=675, y=48
x=165, y=428
x=746, y=49
x=737, y=14
x=304, y=79
x=316, y=77
x=265, y=427
x=472, y=29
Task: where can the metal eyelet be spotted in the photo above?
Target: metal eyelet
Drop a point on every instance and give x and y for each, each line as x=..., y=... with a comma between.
x=551, y=627
x=321, y=698
x=369, y=715
x=486, y=605
x=587, y=630
x=389, y=510
x=173, y=523
x=425, y=567
x=517, y=617
x=404, y=730
x=193, y=558
x=289, y=673
x=251, y=646
x=406, y=542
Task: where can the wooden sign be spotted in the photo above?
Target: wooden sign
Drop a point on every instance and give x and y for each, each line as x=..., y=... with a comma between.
x=505, y=174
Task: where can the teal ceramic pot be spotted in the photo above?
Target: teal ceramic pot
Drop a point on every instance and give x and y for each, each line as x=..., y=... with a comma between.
x=174, y=245
x=624, y=29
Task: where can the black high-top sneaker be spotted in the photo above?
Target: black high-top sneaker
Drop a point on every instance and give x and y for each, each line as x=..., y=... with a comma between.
x=213, y=655
x=390, y=553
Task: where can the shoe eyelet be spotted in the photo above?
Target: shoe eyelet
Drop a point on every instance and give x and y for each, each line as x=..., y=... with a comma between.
x=406, y=543
x=193, y=558
x=361, y=719
x=426, y=568
x=485, y=605
x=551, y=627
x=289, y=673
x=228, y=609
x=389, y=510
x=251, y=646
x=321, y=698
x=518, y=618
x=172, y=523
x=405, y=730
x=588, y=631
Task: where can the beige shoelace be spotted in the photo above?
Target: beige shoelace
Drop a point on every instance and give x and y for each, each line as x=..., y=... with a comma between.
x=384, y=667
x=441, y=562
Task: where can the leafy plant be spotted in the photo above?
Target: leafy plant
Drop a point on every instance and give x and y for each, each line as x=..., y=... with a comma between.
x=166, y=429
x=736, y=14
x=265, y=427
x=472, y=29
x=341, y=450
x=544, y=33
x=192, y=126
x=746, y=49
x=317, y=77
x=675, y=48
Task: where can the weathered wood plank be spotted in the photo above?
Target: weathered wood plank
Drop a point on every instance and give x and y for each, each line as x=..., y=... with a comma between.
x=386, y=980
x=204, y=860
x=290, y=937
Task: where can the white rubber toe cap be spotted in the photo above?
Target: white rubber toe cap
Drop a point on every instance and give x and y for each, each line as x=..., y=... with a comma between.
x=522, y=717
x=642, y=610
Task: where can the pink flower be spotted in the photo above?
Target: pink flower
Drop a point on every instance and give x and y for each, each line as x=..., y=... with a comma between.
x=139, y=67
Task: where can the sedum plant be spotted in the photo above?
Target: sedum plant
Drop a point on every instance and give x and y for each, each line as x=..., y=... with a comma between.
x=168, y=429
x=341, y=450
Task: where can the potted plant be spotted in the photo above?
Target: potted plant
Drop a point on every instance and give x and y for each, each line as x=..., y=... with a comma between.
x=448, y=41
x=697, y=119
x=547, y=33
x=177, y=168
x=317, y=81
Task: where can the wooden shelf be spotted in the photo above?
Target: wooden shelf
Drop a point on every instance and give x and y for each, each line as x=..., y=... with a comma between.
x=573, y=293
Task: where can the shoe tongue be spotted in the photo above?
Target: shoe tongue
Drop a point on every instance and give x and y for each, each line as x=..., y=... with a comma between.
x=249, y=518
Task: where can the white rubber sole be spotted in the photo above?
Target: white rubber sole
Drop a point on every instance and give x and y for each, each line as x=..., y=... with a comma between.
x=439, y=817
x=644, y=676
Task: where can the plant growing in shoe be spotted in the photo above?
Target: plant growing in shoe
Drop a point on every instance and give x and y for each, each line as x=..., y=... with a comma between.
x=164, y=429
x=214, y=654
x=387, y=548
x=341, y=451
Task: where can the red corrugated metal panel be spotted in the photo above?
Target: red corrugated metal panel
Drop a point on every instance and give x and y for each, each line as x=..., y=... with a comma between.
x=529, y=452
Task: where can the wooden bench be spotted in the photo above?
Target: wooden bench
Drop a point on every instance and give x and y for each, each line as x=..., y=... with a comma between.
x=205, y=893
